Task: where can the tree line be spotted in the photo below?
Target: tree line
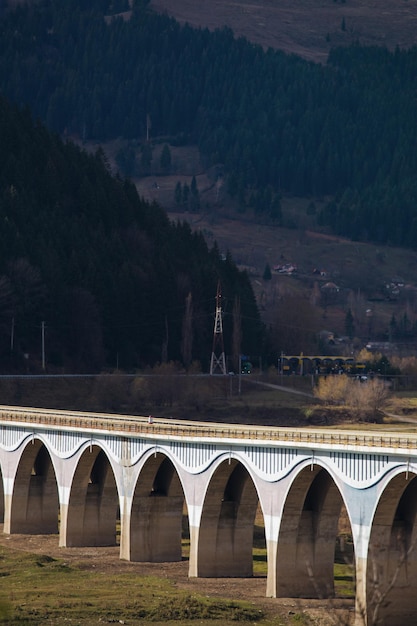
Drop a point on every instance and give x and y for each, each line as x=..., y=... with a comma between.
x=97, y=275
x=278, y=124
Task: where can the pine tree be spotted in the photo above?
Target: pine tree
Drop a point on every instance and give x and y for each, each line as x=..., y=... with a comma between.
x=178, y=193
x=349, y=324
x=165, y=160
x=185, y=195
x=267, y=275
x=187, y=332
x=194, y=195
x=146, y=158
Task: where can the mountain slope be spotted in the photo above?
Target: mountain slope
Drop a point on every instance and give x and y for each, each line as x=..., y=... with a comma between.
x=275, y=123
x=105, y=272
x=303, y=27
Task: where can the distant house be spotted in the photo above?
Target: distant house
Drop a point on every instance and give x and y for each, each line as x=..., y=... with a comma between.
x=330, y=288
x=287, y=268
x=318, y=272
x=327, y=337
x=329, y=293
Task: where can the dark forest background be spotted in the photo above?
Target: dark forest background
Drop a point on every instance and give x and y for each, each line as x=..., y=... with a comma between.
x=115, y=281
x=105, y=274
x=278, y=124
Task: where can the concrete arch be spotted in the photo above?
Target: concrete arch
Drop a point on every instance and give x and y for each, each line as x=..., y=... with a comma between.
x=307, y=535
x=34, y=506
x=392, y=554
x=225, y=537
x=156, y=515
x=93, y=505
x=2, y=497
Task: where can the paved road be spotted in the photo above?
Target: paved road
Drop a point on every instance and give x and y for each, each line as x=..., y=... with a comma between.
x=279, y=387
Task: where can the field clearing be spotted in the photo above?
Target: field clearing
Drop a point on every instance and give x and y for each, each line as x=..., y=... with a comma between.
x=304, y=27
x=353, y=266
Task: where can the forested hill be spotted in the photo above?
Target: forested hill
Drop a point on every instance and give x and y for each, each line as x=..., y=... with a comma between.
x=347, y=131
x=107, y=272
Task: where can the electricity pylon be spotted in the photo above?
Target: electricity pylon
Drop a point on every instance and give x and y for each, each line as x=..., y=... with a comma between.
x=218, y=360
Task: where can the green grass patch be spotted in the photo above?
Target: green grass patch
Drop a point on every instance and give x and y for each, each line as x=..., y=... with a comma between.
x=260, y=565
x=38, y=590
x=344, y=580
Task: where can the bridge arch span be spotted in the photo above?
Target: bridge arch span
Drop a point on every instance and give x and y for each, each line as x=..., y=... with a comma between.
x=155, y=520
x=90, y=516
x=308, y=532
x=224, y=540
x=32, y=505
x=392, y=554
x=2, y=497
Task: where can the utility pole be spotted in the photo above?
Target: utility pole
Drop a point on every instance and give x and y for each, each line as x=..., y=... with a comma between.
x=148, y=127
x=12, y=336
x=43, y=345
x=218, y=359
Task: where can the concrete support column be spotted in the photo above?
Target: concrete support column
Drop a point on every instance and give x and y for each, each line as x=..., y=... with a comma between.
x=8, y=495
x=125, y=526
x=359, y=504
x=194, y=518
x=271, y=536
x=360, y=598
x=63, y=524
x=9, y=465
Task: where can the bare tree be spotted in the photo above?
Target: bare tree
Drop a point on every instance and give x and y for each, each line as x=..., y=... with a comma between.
x=333, y=389
x=237, y=333
x=362, y=398
x=367, y=398
x=187, y=332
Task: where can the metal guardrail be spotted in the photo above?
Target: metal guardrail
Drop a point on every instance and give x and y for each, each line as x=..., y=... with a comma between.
x=140, y=426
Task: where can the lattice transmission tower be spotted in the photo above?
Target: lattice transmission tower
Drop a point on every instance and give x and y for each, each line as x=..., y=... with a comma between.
x=218, y=360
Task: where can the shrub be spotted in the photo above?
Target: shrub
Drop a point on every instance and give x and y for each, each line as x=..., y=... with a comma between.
x=365, y=399
x=333, y=389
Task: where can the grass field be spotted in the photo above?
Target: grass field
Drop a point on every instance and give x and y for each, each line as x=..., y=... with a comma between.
x=37, y=589
x=41, y=590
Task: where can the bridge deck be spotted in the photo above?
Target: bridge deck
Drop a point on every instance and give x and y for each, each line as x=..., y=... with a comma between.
x=172, y=428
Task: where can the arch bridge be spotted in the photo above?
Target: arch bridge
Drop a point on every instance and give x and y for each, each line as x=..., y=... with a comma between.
x=83, y=476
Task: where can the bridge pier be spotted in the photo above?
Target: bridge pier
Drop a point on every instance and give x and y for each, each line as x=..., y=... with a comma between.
x=194, y=520
x=392, y=554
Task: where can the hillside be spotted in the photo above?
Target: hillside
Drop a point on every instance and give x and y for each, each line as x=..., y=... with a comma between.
x=304, y=27
x=93, y=274
x=270, y=124
x=220, y=131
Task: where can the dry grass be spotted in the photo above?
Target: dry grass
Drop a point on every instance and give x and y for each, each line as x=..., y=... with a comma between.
x=304, y=27
x=90, y=586
x=38, y=589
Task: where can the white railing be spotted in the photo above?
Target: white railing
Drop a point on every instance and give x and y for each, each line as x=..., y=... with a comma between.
x=163, y=427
